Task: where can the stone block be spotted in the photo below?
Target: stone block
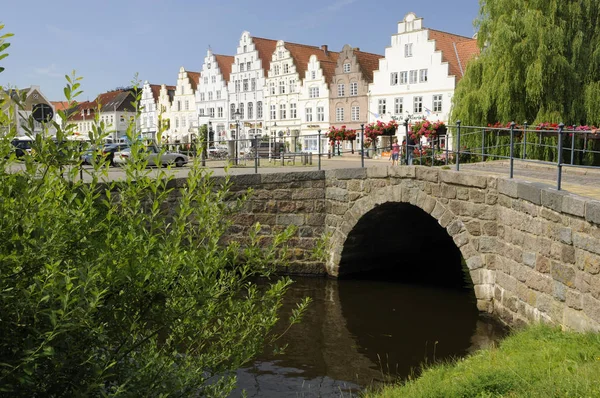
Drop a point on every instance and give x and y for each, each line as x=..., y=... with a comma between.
x=427, y=174
x=487, y=244
x=377, y=172
x=438, y=211
x=508, y=187
x=592, y=211
x=484, y=292
x=553, y=199
x=315, y=219
x=448, y=191
x=338, y=194
x=403, y=172
x=347, y=174
x=461, y=239
x=491, y=198
x=529, y=259
x=563, y=273
x=455, y=227
x=591, y=307
x=483, y=276
x=465, y=179
x=565, y=235
x=477, y=195
x=473, y=227
x=586, y=242
x=578, y=321
x=574, y=205
x=530, y=191
x=462, y=193
x=560, y=291
x=446, y=219
x=475, y=262
x=429, y=204
x=574, y=299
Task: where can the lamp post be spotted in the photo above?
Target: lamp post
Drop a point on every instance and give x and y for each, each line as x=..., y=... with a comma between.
x=236, y=116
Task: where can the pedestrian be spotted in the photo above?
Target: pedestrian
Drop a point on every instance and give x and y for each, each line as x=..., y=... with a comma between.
x=410, y=147
x=395, y=152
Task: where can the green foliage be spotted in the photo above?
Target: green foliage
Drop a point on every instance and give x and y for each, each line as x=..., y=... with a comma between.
x=536, y=362
x=539, y=63
x=125, y=288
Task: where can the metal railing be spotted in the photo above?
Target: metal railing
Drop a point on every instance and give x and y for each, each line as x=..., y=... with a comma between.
x=459, y=144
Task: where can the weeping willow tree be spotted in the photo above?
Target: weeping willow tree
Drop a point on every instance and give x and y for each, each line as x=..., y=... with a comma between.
x=539, y=62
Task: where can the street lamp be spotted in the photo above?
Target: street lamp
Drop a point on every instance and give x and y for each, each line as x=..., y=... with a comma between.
x=272, y=138
x=237, y=116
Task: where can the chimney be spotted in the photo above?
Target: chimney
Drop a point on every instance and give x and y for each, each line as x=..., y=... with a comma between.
x=324, y=48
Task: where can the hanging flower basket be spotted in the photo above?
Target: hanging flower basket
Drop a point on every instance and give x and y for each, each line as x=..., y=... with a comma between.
x=427, y=129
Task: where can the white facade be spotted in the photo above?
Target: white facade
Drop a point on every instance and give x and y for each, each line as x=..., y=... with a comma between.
x=314, y=106
x=212, y=95
x=246, y=85
x=183, y=115
x=282, y=97
x=413, y=81
x=148, y=110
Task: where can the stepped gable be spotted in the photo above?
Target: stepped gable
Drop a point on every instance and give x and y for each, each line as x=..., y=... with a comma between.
x=449, y=44
x=225, y=63
x=368, y=63
x=301, y=54
x=194, y=78
x=265, y=48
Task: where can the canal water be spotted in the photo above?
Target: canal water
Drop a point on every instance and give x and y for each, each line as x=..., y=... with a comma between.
x=362, y=333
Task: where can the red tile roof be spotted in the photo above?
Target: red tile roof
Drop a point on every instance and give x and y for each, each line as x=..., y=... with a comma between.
x=225, y=63
x=194, y=78
x=155, y=88
x=301, y=54
x=265, y=48
x=368, y=63
x=456, y=50
x=60, y=105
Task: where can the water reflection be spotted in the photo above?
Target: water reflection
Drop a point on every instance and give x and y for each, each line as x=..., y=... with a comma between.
x=360, y=333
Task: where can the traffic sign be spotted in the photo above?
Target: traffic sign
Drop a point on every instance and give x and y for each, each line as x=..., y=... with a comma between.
x=42, y=113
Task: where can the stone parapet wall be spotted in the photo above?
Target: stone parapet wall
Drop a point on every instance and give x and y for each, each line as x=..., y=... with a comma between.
x=533, y=253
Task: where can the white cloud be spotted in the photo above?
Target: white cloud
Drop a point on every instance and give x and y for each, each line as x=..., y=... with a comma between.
x=338, y=5
x=49, y=71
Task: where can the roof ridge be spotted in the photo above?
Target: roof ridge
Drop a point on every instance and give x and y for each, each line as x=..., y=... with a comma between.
x=451, y=34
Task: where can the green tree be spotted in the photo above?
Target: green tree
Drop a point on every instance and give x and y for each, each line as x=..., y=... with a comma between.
x=125, y=288
x=540, y=62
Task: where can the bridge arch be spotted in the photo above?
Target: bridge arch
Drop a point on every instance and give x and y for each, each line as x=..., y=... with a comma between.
x=380, y=192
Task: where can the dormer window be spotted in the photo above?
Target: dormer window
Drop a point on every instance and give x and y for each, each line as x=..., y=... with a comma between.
x=347, y=67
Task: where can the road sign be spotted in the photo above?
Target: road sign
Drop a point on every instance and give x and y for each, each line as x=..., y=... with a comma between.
x=42, y=113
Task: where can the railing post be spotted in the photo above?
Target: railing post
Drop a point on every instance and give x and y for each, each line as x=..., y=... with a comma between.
x=319, y=147
x=524, y=140
x=512, y=148
x=446, y=148
x=362, y=146
x=457, y=145
x=406, y=140
x=432, y=151
x=483, y=144
x=560, y=148
x=572, y=147
x=255, y=154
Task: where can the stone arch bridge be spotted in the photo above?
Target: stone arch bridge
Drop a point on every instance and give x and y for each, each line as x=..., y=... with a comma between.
x=532, y=252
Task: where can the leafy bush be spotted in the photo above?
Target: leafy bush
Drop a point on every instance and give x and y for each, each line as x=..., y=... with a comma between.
x=124, y=288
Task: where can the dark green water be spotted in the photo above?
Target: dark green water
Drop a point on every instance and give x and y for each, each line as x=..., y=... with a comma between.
x=359, y=333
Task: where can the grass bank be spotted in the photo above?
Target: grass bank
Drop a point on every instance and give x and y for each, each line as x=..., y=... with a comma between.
x=535, y=362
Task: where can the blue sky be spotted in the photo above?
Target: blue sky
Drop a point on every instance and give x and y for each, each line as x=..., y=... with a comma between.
x=108, y=42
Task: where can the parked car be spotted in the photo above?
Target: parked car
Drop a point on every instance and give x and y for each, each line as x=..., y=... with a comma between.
x=166, y=157
x=109, y=150
x=22, y=146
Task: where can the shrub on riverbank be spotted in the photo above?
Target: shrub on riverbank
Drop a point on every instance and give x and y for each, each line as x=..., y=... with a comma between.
x=122, y=289
x=536, y=362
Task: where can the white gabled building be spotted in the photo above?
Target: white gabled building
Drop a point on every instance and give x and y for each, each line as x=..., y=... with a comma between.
x=183, y=115
x=419, y=73
x=283, y=87
x=163, y=110
x=148, y=110
x=212, y=96
x=314, y=101
x=246, y=83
